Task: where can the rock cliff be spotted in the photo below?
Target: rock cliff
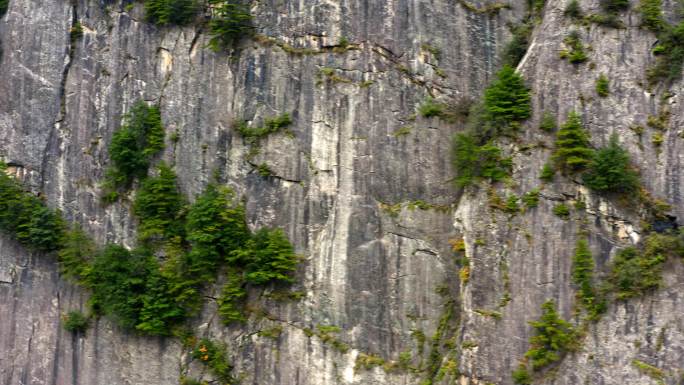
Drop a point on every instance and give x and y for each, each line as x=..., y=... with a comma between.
x=362, y=186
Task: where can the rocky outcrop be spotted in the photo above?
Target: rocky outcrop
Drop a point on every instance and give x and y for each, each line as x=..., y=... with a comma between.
x=376, y=266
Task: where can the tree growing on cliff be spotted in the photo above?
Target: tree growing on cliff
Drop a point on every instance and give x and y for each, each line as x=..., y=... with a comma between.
x=231, y=20
x=507, y=99
x=610, y=170
x=572, y=153
x=174, y=12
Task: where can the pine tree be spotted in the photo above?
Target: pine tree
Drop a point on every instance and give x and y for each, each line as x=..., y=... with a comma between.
x=507, y=99
x=158, y=205
x=572, y=153
x=553, y=337
x=610, y=170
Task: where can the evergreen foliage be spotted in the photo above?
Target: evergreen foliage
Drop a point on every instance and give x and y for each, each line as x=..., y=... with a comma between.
x=4, y=4
x=521, y=376
x=614, y=6
x=75, y=255
x=515, y=49
x=161, y=309
x=553, y=338
x=271, y=126
x=429, y=108
x=158, y=205
x=139, y=139
x=635, y=272
x=572, y=152
x=652, y=15
x=268, y=256
x=27, y=218
x=576, y=54
x=561, y=210
x=531, y=198
x=547, y=173
x=75, y=322
x=117, y=279
x=669, y=63
x=473, y=162
x=215, y=228
x=602, y=86
x=231, y=20
x=214, y=356
x=507, y=99
x=175, y=12
x=231, y=301
x=548, y=122
x=610, y=170
x=573, y=10
x=582, y=277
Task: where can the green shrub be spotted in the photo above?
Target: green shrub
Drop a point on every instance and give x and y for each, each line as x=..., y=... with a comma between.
x=430, y=108
x=158, y=205
x=215, y=228
x=547, y=173
x=139, y=139
x=553, y=338
x=561, y=210
x=614, y=6
x=75, y=255
x=582, y=277
x=75, y=322
x=512, y=206
x=531, y=198
x=76, y=32
x=270, y=126
x=635, y=272
x=548, y=122
x=507, y=99
x=473, y=162
x=573, y=10
x=669, y=63
x=162, y=308
x=610, y=170
x=268, y=256
x=602, y=86
x=521, y=376
x=26, y=217
x=4, y=4
x=515, y=50
x=572, y=152
x=117, y=278
x=231, y=301
x=175, y=12
x=652, y=15
x=576, y=54
x=214, y=356
x=231, y=21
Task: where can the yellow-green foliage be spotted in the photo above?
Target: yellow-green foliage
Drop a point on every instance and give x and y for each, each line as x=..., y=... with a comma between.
x=553, y=338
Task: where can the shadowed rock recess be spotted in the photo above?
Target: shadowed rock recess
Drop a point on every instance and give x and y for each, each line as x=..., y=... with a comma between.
x=405, y=277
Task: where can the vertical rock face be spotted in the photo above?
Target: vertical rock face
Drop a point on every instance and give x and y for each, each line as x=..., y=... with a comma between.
x=362, y=187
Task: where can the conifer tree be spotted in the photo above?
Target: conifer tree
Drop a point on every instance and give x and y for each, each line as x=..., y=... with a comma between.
x=572, y=153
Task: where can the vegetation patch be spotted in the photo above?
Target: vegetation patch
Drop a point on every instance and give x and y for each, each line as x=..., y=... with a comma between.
x=230, y=21
x=213, y=355
x=610, y=170
x=171, y=12
x=132, y=148
x=638, y=271
x=554, y=337
x=575, y=49
x=602, y=86
x=270, y=126
x=572, y=152
x=27, y=218
x=75, y=322
x=583, y=278
x=474, y=162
